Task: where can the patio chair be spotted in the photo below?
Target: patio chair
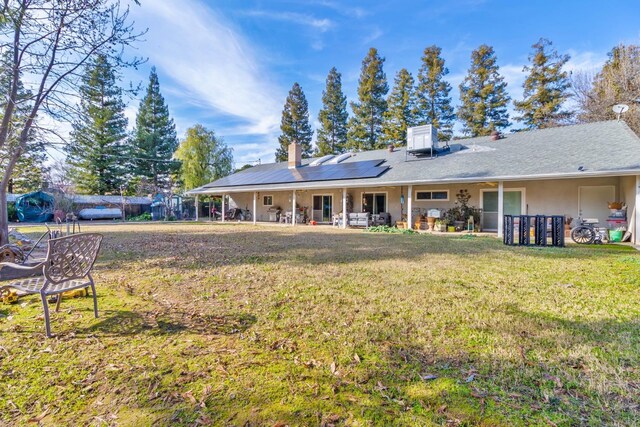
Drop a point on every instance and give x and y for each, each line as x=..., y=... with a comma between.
x=67, y=267
x=286, y=218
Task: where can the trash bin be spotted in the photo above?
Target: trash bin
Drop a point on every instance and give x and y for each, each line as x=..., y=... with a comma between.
x=615, y=235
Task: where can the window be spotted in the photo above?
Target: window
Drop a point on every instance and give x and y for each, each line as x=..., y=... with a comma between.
x=374, y=203
x=438, y=195
x=267, y=200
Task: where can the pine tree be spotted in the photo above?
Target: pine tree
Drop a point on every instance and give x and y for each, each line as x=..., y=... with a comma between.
x=332, y=135
x=295, y=126
x=154, y=140
x=30, y=171
x=30, y=168
x=96, y=152
x=617, y=83
x=545, y=88
x=401, y=110
x=365, y=127
x=204, y=157
x=483, y=94
x=434, y=102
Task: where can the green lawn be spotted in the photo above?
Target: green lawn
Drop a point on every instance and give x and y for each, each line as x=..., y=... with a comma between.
x=237, y=325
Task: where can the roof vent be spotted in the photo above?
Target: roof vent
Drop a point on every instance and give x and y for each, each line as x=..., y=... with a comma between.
x=321, y=160
x=341, y=158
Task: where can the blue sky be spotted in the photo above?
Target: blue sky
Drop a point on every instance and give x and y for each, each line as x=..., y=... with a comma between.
x=229, y=64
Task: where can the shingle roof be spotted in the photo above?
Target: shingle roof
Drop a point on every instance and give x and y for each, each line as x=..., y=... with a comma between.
x=592, y=149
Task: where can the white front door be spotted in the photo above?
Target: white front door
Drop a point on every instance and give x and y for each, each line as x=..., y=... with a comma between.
x=593, y=202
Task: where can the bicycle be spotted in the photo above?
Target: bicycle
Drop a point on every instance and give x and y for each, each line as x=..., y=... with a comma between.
x=587, y=232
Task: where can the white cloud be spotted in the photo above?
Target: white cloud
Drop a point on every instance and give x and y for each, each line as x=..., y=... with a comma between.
x=322, y=24
x=130, y=113
x=341, y=8
x=317, y=45
x=251, y=153
x=375, y=34
x=209, y=62
x=585, y=61
x=514, y=76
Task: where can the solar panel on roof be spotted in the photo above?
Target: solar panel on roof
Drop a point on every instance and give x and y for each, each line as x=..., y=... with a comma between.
x=325, y=172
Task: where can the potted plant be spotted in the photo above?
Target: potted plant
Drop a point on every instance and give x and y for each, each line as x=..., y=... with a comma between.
x=431, y=222
x=440, y=225
x=459, y=215
x=567, y=225
x=402, y=223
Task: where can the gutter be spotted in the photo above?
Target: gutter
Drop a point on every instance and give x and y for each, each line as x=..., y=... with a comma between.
x=340, y=185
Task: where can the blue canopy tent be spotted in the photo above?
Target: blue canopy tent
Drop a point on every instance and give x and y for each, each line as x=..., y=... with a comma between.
x=35, y=207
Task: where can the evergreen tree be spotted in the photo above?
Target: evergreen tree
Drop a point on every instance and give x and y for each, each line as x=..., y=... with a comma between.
x=401, y=110
x=204, y=157
x=29, y=171
x=483, y=94
x=617, y=83
x=365, y=127
x=545, y=88
x=332, y=135
x=434, y=102
x=154, y=140
x=295, y=126
x=96, y=152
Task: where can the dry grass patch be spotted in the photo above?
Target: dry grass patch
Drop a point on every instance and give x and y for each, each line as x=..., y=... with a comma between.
x=237, y=325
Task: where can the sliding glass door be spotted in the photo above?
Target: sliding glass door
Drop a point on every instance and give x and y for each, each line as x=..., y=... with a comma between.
x=513, y=205
x=322, y=208
x=374, y=203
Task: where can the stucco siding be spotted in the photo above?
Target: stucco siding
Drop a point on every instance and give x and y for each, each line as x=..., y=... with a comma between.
x=541, y=197
x=628, y=196
x=561, y=196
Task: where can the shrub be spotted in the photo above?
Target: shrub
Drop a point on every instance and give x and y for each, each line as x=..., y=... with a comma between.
x=146, y=216
x=387, y=229
x=12, y=212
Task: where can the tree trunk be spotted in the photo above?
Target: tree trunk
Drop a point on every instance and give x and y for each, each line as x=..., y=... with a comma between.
x=4, y=216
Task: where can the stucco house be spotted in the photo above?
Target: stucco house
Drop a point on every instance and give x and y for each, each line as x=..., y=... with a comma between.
x=570, y=170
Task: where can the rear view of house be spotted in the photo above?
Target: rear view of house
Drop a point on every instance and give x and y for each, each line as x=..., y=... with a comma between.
x=572, y=170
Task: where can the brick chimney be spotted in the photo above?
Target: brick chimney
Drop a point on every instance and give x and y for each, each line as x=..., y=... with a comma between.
x=295, y=155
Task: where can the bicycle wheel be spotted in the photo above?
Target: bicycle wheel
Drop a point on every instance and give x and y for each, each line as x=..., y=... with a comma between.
x=583, y=235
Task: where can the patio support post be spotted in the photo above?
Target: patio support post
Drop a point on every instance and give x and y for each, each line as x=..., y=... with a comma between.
x=344, y=208
x=409, y=210
x=255, y=203
x=293, y=209
x=636, y=228
x=500, y=208
x=223, y=208
x=197, y=213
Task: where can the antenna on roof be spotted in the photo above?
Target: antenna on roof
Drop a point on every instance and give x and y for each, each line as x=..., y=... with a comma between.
x=619, y=109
